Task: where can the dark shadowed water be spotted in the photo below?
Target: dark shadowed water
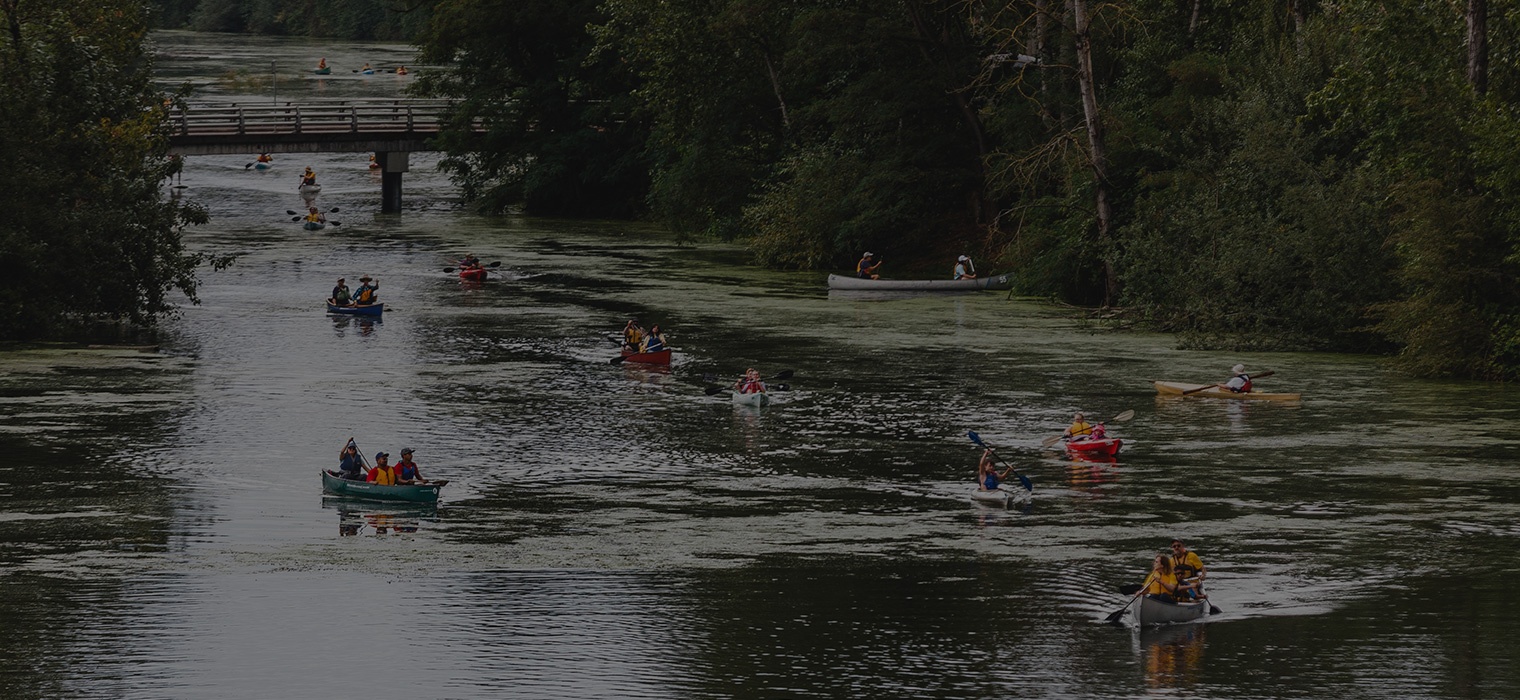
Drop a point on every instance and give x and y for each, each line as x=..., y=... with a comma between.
x=612, y=531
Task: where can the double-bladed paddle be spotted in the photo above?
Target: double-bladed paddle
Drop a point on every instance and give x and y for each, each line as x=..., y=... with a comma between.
x=1047, y=442
x=488, y=267
x=783, y=374
x=1028, y=485
x=1206, y=387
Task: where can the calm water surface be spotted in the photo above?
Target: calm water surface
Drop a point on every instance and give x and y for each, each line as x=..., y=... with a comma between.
x=613, y=531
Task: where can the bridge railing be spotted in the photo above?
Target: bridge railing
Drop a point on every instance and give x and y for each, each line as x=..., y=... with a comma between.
x=357, y=117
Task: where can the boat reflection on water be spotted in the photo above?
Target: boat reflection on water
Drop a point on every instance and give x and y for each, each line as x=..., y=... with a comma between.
x=364, y=324
x=380, y=518
x=649, y=375
x=1091, y=474
x=1173, y=654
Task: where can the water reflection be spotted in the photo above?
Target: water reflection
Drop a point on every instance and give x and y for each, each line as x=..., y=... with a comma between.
x=344, y=323
x=356, y=518
x=1173, y=655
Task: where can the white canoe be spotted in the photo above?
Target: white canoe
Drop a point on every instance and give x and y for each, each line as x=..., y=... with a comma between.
x=1149, y=611
x=758, y=398
x=1176, y=388
x=847, y=282
x=311, y=189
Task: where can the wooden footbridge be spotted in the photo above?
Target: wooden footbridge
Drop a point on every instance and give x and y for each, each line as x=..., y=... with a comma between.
x=391, y=129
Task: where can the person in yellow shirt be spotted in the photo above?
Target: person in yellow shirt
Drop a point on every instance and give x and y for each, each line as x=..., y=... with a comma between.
x=383, y=474
x=1079, y=427
x=1189, y=568
x=1163, y=583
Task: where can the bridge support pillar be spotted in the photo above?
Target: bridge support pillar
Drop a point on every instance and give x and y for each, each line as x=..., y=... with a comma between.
x=392, y=164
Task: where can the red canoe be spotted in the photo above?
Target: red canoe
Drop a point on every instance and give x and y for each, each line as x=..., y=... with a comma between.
x=647, y=358
x=1107, y=447
x=473, y=274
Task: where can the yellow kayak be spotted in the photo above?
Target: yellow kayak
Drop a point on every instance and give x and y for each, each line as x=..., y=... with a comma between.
x=1176, y=388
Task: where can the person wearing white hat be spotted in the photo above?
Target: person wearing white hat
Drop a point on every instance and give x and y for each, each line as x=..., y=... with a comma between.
x=964, y=270
x=1241, y=382
x=866, y=268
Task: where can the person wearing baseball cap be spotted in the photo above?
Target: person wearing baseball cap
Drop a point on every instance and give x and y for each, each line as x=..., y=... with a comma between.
x=383, y=474
x=866, y=268
x=964, y=270
x=406, y=469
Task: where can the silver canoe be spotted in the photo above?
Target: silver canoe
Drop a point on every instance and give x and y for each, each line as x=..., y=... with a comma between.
x=1150, y=611
x=856, y=283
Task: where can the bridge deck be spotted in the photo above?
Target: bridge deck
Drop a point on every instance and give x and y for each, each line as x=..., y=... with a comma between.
x=348, y=126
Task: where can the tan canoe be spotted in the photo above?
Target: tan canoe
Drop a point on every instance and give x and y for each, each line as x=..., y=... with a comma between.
x=1176, y=388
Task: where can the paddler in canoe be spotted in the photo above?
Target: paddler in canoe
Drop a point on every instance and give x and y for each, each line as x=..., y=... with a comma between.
x=988, y=478
x=750, y=383
x=866, y=268
x=406, y=469
x=1189, y=569
x=964, y=270
x=401, y=71
x=654, y=340
x=367, y=291
x=383, y=474
x=1163, y=584
x=340, y=295
x=322, y=66
x=633, y=335
x=350, y=464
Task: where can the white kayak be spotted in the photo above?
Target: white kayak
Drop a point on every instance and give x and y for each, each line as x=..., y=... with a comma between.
x=1149, y=611
x=995, y=497
x=262, y=166
x=858, y=283
x=311, y=189
x=758, y=398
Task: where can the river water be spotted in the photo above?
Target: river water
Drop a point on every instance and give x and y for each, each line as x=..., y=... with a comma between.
x=612, y=531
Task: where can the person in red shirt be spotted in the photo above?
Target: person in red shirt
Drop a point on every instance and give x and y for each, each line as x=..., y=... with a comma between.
x=383, y=474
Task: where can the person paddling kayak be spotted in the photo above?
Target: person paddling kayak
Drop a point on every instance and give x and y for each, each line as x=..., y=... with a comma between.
x=987, y=476
x=315, y=217
x=309, y=177
x=1079, y=429
x=750, y=383
x=1241, y=382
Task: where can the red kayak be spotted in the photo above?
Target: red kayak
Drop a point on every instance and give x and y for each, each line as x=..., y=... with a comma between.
x=647, y=358
x=1106, y=447
x=473, y=274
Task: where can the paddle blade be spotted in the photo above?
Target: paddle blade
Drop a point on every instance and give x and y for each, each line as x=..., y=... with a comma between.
x=1129, y=589
x=1114, y=616
x=712, y=390
x=783, y=374
x=1123, y=416
x=336, y=223
x=448, y=269
x=333, y=210
x=1028, y=485
x=291, y=211
x=1047, y=442
x=1213, y=610
x=617, y=360
x=495, y=264
x=295, y=218
x=975, y=438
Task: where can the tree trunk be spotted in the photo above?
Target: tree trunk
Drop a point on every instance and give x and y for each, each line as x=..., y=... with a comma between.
x=786, y=120
x=1096, y=150
x=1477, y=45
x=1193, y=23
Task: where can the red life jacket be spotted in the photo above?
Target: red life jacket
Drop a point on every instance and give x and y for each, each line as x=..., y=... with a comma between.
x=1244, y=388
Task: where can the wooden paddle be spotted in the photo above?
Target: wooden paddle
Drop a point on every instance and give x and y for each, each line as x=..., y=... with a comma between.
x=1254, y=377
x=1028, y=485
x=1115, y=615
x=1126, y=415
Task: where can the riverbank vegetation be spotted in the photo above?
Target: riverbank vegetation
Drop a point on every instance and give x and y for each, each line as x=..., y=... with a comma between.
x=1298, y=175
x=87, y=233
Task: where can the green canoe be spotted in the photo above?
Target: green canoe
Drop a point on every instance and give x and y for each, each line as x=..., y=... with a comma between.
x=411, y=493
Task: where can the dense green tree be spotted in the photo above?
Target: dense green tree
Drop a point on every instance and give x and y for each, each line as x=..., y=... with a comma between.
x=560, y=135
x=87, y=233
